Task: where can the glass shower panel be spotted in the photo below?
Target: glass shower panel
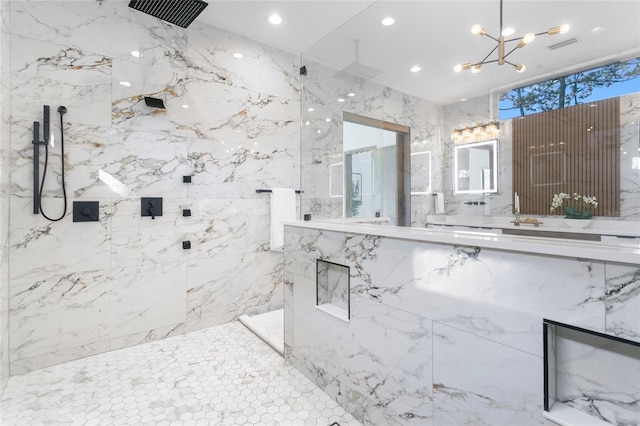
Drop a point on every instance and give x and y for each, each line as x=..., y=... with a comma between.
x=334, y=187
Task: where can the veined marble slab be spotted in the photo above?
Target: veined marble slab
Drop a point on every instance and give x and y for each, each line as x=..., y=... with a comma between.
x=545, y=246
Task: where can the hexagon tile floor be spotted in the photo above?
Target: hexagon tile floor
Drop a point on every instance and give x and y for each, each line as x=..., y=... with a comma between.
x=223, y=375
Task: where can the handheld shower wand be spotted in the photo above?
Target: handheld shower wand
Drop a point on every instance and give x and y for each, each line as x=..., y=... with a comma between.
x=39, y=186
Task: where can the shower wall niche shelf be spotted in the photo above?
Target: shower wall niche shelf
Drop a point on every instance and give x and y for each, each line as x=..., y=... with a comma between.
x=582, y=367
x=333, y=289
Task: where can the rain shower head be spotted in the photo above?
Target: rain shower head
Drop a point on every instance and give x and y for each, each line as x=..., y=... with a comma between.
x=178, y=12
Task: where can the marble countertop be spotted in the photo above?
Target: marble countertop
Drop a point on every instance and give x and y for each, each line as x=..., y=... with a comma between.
x=623, y=250
x=598, y=226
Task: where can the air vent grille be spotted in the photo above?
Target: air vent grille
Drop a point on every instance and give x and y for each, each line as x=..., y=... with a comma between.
x=563, y=43
x=178, y=12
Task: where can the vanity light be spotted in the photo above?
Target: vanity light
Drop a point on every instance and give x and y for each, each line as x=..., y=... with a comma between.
x=480, y=132
x=501, y=43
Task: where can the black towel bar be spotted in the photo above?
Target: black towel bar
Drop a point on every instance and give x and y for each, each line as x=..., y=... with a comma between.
x=268, y=190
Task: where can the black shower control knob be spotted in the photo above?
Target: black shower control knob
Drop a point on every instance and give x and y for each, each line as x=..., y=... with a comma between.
x=186, y=245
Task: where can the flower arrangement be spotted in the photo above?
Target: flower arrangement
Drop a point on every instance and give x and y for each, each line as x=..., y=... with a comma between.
x=575, y=209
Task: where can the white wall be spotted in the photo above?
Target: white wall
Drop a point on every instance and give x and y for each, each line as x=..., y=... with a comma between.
x=82, y=288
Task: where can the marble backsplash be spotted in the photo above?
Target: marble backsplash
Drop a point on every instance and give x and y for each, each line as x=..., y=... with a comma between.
x=231, y=124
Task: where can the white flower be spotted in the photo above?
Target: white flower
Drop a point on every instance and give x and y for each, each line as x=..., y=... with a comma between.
x=558, y=199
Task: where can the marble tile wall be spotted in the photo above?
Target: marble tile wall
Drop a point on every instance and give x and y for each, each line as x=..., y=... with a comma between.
x=231, y=124
x=4, y=198
x=484, y=109
x=321, y=139
x=444, y=334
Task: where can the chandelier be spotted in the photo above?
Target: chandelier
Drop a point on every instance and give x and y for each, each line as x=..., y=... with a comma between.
x=501, y=43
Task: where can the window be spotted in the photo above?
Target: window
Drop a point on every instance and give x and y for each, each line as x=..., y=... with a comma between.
x=608, y=81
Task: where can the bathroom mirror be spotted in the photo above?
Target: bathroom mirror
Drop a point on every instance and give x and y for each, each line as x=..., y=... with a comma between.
x=475, y=167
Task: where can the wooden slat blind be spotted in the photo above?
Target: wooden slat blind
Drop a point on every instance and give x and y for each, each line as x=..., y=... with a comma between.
x=575, y=149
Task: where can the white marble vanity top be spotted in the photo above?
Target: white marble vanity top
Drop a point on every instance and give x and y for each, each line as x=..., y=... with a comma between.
x=599, y=226
x=623, y=250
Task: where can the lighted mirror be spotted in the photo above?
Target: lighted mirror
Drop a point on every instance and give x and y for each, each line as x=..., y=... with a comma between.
x=475, y=166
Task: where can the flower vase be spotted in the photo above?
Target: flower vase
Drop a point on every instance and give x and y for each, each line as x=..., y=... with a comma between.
x=571, y=213
x=577, y=223
x=577, y=219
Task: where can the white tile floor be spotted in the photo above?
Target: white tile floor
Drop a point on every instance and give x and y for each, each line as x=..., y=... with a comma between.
x=223, y=375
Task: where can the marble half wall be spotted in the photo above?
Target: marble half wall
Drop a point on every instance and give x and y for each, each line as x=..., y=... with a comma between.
x=445, y=334
x=230, y=124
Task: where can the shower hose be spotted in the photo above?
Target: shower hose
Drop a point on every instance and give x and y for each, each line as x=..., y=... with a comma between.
x=62, y=110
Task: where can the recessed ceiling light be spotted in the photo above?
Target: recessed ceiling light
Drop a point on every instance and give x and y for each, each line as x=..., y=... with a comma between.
x=340, y=99
x=415, y=68
x=136, y=54
x=238, y=55
x=125, y=83
x=388, y=21
x=508, y=31
x=596, y=30
x=275, y=19
x=319, y=131
x=351, y=94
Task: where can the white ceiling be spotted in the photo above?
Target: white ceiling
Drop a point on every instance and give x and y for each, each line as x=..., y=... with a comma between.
x=435, y=34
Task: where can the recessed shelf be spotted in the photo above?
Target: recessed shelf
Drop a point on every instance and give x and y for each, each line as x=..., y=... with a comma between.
x=333, y=289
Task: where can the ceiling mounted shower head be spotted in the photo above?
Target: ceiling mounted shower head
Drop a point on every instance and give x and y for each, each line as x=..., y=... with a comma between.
x=178, y=12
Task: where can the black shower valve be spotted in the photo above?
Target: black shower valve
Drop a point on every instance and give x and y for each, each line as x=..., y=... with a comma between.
x=186, y=179
x=186, y=245
x=151, y=206
x=86, y=211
